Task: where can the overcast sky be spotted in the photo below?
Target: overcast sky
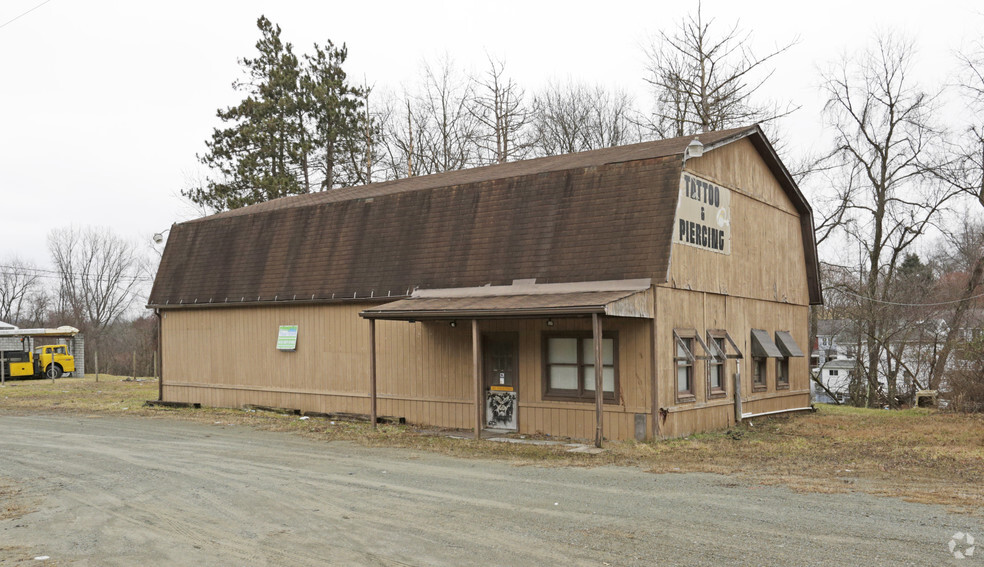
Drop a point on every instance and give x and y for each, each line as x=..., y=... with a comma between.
x=105, y=104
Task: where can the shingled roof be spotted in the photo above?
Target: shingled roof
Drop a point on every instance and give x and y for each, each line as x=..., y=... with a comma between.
x=598, y=215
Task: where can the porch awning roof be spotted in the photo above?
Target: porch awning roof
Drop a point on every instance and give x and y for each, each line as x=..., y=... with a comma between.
x=523, y=299
x=63, y=331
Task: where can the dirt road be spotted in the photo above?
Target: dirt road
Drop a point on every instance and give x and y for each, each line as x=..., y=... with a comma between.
x=116, y=491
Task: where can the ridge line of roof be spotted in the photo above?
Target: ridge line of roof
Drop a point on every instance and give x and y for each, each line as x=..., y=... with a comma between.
x=619, y=154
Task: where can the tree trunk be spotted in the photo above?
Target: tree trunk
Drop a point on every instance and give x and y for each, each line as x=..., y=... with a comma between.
x=952, y=334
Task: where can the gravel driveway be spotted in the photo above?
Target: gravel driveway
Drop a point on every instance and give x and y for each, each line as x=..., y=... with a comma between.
x=117, y=491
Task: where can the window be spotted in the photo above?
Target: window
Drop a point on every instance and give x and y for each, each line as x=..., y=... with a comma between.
x=762, y=349
x=684, y=359
x=720, y=349
x=787, y=348
x=759, y=375
x=685, y=366
x=569, y=369
x=782, y=373
x=832, y=372
x=716, y=367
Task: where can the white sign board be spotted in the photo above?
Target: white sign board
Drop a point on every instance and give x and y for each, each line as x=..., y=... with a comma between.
x=287, y=338
x=703, y=216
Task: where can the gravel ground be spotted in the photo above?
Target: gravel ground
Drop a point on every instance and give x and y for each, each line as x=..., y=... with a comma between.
x=118, y=491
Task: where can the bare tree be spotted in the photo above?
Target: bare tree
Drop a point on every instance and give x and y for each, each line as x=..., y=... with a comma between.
x=19, y=282
x=884, y=141
x=39, y=309
x=431, y=130
x=575, y=117
x=449, y=129
x=500, y=109
x=367, y=164
x=402, y=137
x=961, y=258
x=966, y=168
x=964, y=171
x=703, y=80
x=99, y=275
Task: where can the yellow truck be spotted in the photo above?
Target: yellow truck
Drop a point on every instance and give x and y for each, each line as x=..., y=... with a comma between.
x=51, y=361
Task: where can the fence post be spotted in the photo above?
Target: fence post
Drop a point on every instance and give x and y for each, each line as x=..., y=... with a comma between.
x=3, y=371
x=134, y=375
x=97, y=366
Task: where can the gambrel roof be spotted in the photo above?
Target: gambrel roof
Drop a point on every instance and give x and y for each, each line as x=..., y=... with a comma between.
x=597, y=215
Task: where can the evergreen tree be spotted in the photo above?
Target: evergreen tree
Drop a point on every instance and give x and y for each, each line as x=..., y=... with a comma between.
x=334, y=109
x=259, y=154
x=300, y=128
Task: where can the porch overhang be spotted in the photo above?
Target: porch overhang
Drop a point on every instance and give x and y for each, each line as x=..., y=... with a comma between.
x=523, y=299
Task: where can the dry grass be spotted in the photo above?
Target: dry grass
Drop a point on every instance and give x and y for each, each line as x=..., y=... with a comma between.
x=12, y=502
x=918, y=455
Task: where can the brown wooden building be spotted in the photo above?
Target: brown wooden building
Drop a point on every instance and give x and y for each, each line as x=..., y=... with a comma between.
x=484, y=297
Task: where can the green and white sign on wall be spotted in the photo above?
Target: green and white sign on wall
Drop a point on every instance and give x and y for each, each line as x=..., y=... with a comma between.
x=287, y=338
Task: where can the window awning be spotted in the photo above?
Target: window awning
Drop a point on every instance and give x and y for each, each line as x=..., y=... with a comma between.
x=762, y=345
x=523, y=299
x=787, y=345
x=722, y=353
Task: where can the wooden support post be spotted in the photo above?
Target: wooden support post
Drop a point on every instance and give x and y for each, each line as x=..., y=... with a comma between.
x=134, y=368
x=655, y=378
x=599, y=379
x=3, y=372
x=477, y=371
x=97, y=366
x=160, y=350
x=372, y=372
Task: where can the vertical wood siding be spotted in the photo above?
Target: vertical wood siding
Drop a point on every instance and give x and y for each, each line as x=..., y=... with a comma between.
x=762, y=284
x=767, y=259
x=227, y=357
x=684, y=309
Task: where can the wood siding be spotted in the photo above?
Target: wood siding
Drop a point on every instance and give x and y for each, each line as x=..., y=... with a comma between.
x=767, y=259
x=226, y=357
x=684, y=309
x=762, y=284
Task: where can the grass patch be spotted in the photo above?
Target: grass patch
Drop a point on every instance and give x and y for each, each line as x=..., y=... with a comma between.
x=919, y=455
x=112, y=394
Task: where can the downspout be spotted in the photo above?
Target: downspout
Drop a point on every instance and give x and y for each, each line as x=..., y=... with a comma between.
x=777, y=412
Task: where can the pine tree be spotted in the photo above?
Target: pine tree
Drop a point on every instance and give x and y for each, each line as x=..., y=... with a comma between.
x=334, y=109
x=301, y=128
x=260, y=153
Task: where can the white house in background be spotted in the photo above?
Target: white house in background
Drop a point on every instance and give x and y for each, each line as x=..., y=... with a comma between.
x=833, y=360
x=6, y=326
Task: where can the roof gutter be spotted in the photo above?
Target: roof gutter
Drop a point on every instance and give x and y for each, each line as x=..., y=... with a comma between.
x=270, y=302
x=408, y=315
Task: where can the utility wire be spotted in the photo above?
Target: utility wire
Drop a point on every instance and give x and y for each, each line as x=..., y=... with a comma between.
x=910, y=304
x=55, y=274
x=24, y=14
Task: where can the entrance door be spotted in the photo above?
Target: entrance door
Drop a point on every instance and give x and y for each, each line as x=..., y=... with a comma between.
x=501, y=353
